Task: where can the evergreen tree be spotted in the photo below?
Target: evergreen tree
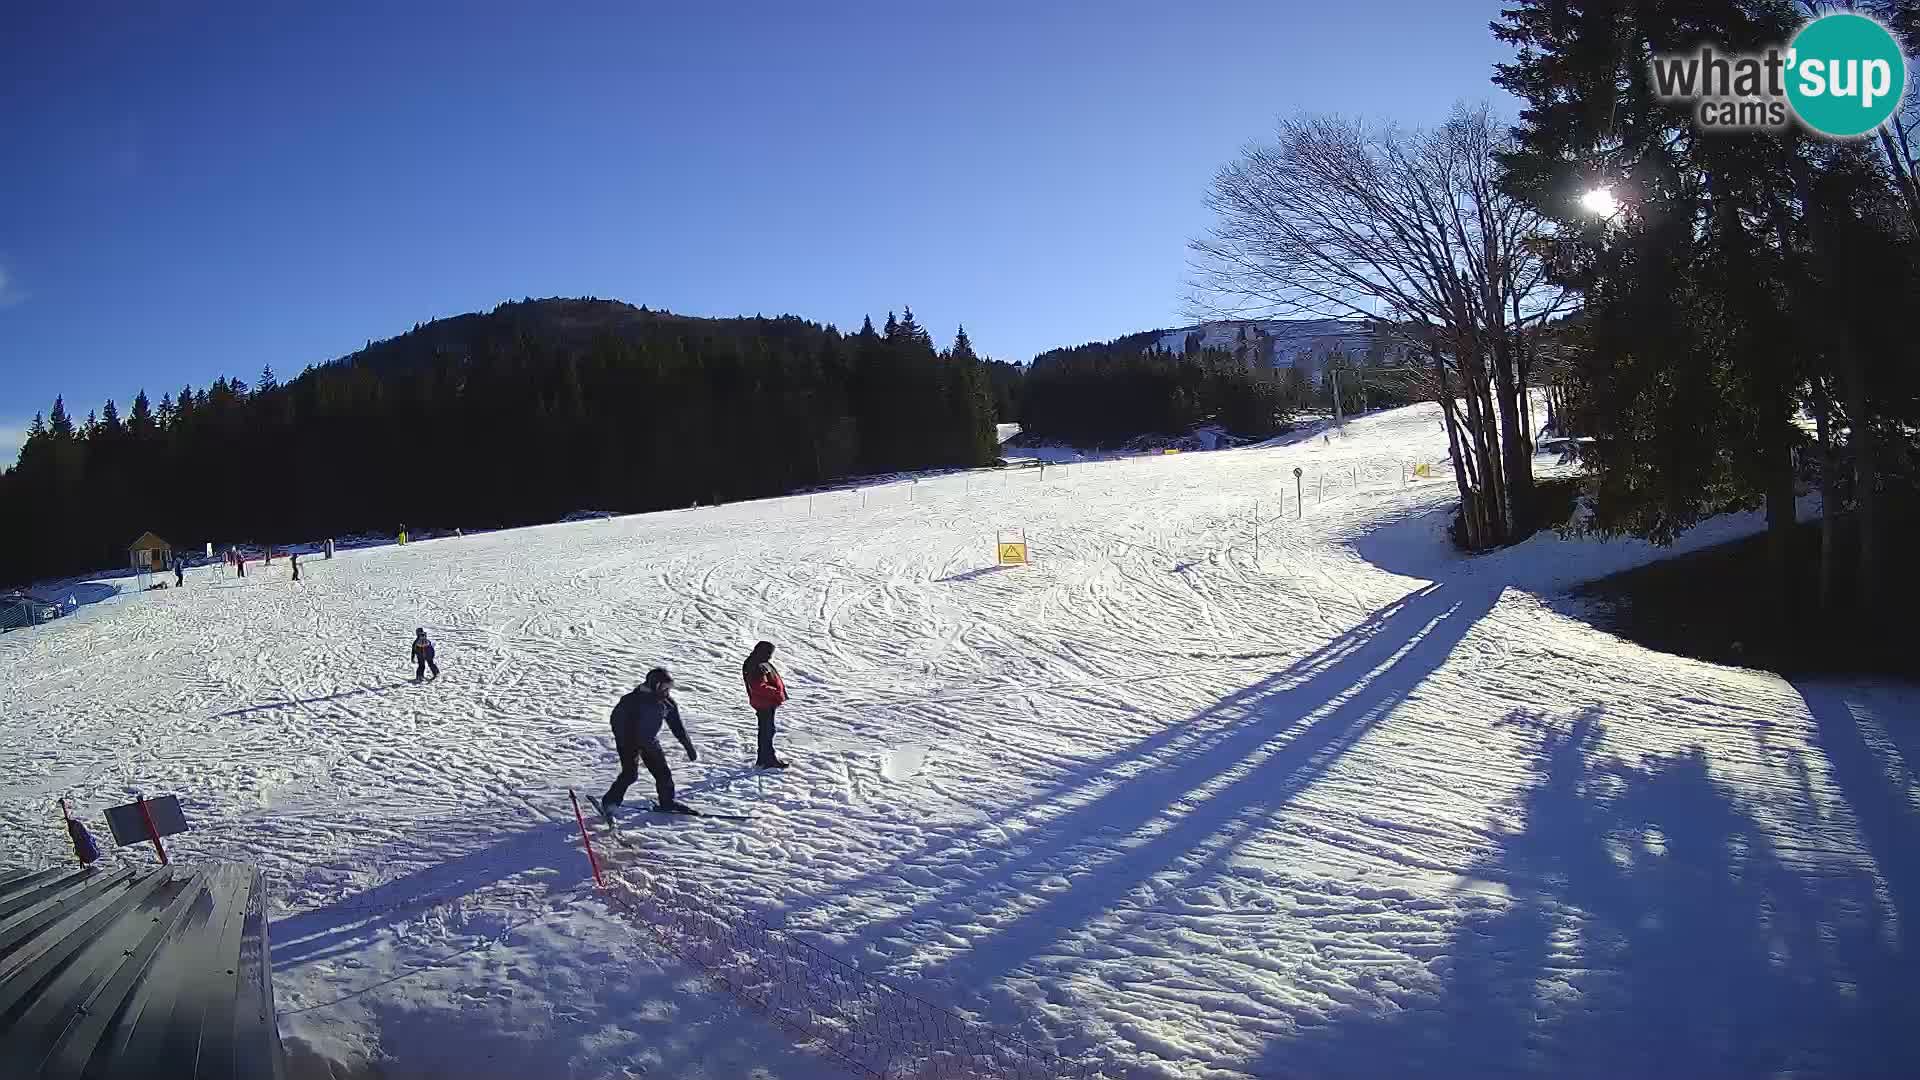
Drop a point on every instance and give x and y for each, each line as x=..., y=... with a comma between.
x=1005, y=382
x=1711, y=301
x=1110, y=392
x=57, y=423
x=912, y=332
x=651, y=411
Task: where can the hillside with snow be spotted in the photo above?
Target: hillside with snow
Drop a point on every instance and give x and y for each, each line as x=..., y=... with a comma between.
x=1306, y=345
x=1350, y=335
x=1226, y=783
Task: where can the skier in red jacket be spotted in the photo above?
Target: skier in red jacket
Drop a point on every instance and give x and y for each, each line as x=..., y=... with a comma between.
x=766, y=691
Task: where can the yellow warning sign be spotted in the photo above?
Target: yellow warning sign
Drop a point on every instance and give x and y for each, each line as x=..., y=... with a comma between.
x=1424, y=471
x=1012, y=545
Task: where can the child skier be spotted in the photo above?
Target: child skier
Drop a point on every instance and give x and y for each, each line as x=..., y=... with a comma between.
x=765, y=692
x=636, y=735
x=423, y=656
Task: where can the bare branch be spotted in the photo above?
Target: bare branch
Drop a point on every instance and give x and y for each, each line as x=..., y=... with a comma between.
x=1411, y=231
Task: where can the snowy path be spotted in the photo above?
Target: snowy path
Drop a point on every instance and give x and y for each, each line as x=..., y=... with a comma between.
x=1356, y=808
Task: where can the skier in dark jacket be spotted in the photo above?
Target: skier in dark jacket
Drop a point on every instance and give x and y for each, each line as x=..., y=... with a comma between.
x=765, y=692
x=636, y=734
x=423, y=656
x=179, y=572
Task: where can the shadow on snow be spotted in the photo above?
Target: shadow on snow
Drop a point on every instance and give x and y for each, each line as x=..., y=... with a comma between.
x=269, y=706
x=1655, y=928
x=1166, y=809
x=552, y=849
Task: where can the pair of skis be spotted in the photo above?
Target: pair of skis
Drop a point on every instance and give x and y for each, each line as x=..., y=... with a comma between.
x=600, y=808
x=691, y=812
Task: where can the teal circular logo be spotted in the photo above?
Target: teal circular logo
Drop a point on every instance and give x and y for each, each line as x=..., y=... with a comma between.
x=1845, y=75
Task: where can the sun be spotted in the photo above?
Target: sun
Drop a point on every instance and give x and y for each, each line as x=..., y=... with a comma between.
x=1600, y=202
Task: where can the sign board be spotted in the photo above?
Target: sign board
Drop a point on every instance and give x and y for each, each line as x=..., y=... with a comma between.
x=1423, y=471
x=1012, y=545
x=130, y=826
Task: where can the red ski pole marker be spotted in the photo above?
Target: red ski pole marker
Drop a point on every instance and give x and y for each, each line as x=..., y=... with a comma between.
x=153, y=832
x=592, y=862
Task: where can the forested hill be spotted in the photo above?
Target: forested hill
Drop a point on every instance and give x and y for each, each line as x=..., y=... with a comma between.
x=1106, y=392
x=562, y=323
x=514, y=416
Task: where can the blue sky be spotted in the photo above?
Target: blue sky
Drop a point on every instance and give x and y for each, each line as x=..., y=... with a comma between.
x=212, y=191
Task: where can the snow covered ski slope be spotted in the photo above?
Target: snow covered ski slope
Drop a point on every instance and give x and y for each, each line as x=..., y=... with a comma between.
x=1356, y=807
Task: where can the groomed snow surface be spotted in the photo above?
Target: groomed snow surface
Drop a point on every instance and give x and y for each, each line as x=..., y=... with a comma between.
x=1356, y=808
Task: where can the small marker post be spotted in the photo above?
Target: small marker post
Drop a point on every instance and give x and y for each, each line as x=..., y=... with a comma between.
x=592, y=862
x=153, y=833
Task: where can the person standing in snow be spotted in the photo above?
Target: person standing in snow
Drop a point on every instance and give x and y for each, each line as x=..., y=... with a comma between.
x=766, y=691
x=179, y=572
x=423, y=656
x=293, y=559
x=636, y=735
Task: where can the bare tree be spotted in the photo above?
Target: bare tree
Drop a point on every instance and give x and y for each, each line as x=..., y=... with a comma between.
x=1409, y=230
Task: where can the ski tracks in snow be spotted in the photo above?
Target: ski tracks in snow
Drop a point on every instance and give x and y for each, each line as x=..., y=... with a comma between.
x=1149, y=798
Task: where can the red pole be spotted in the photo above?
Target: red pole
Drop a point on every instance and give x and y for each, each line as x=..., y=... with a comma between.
x=152, y=832
x=591, y=861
